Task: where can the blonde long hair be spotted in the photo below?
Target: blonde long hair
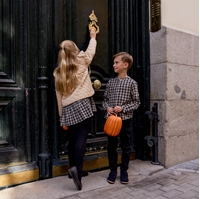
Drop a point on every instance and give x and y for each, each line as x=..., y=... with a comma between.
x=66, y=80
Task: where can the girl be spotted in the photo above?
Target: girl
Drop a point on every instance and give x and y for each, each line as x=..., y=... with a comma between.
x=74, y=97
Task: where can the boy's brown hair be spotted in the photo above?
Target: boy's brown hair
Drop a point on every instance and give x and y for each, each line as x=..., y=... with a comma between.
x=125, y=58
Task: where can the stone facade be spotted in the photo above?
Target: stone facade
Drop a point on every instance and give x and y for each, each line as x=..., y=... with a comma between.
x=175, y=87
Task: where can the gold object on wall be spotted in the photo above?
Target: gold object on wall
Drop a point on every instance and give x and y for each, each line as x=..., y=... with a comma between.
x=155, y=15
x=93, y=22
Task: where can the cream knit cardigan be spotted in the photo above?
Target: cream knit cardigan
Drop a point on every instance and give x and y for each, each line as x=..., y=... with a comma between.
x=84, y=89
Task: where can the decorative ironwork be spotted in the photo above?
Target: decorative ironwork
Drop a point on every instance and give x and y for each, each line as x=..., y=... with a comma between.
x=152, y=141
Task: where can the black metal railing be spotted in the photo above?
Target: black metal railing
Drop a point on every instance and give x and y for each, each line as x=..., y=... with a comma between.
x=152, y=140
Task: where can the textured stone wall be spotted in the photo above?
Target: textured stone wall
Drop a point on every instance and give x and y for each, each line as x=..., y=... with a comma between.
x=175, y=87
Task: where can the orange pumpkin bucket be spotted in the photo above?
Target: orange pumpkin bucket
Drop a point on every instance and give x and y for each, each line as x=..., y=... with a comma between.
x=113, y=125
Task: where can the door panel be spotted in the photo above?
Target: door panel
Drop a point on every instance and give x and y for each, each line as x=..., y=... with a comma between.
x=10, y=91
x=97, y=140
x=114, y=26
x=99, y=66
x=84, y=9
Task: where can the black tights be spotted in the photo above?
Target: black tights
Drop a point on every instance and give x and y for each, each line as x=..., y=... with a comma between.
x=78, y=134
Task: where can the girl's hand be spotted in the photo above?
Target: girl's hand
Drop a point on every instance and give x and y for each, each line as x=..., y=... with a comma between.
x=117, y=109
x=65, y=128
x=93, y=33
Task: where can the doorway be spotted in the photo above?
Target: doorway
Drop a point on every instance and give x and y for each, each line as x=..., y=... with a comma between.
x=30, y=32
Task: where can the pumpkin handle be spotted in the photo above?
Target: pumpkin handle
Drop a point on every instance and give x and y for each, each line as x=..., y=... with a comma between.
x=111, y=114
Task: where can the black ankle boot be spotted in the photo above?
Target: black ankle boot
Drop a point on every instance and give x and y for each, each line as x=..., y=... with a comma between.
x=84, y=173
x=73, y=172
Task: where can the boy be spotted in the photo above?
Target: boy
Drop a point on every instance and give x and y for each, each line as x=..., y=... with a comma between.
x=121, y=97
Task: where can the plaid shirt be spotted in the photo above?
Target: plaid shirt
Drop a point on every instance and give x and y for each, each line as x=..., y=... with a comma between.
x=122, y=92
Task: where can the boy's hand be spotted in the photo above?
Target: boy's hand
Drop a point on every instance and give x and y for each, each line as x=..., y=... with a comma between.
x=93, y=33
x=117, y=109
x=110, y=111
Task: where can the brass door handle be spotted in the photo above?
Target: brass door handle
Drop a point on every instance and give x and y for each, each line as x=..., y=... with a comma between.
x=96, y=84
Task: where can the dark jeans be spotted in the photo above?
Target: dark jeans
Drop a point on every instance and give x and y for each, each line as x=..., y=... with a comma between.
x=78, y=134
x=125, y=146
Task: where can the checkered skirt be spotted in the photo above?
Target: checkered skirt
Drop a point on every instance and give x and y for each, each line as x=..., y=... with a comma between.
x=77, y=112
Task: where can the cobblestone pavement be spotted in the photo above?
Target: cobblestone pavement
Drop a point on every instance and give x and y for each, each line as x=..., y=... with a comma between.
x=147, y=181
x=178, y=182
